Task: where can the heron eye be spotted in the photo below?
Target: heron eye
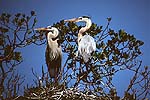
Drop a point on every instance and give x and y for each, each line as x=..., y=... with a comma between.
x=80, y=18
x=52, y=32
x=49, y=27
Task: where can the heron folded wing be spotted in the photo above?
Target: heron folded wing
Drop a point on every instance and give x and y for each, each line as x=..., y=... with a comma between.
x=53, y=62
x=87, y=46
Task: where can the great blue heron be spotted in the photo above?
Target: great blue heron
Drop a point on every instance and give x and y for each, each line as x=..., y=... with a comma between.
x=86, y=43
x=53, y=52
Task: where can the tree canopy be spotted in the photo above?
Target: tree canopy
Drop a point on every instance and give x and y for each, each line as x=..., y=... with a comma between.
x=116, y=51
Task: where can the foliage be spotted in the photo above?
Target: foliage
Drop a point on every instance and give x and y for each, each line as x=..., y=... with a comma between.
x=116, y=51
x=15, y=33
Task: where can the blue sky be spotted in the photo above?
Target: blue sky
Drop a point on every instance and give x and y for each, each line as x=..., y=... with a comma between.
x=131, y=15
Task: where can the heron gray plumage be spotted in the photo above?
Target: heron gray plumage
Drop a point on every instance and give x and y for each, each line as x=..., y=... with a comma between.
x=53, y=54
x=86, y=43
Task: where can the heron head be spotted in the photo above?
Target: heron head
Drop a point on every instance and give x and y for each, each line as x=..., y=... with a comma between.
x=51, y=32
x=82, y=18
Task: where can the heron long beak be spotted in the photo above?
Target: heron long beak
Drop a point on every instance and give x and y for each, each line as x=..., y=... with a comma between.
x=42, y=29
x=72, y=20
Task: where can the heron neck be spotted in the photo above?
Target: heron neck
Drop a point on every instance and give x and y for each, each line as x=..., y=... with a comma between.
x=49, y=41
x=87, y=26
x=79, y=37
x=50, y=38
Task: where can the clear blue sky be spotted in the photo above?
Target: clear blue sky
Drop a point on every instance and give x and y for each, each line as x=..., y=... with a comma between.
x=130, y=15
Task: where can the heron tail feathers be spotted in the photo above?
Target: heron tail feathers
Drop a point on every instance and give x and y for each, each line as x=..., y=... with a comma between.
x=86, y=57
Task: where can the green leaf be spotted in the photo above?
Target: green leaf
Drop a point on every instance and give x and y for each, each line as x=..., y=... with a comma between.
x=28, y=41
x=62, y=22
x=4, y=14
x=29, y=31
x=15, y=20
x=35, y=20
x=101, y=56
x=2, y=39
x=109, y=63
x=102, y=44
x=132, y=38
x=125, y=55
x=93, y=26
x=146, y=67
x=18, y=14
x=32, y=13
x=98, y=46
x=3, y=30
x=111, y=32
x=122, y=33
x=23, y=15
x=71, y=25
x=117, y=51
x=109, y=19
x=8, y=15
x=140, y=42
x=115, y=58
x=28, y=18
x=20, y=22
x=7, y=50
x=17, y=56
